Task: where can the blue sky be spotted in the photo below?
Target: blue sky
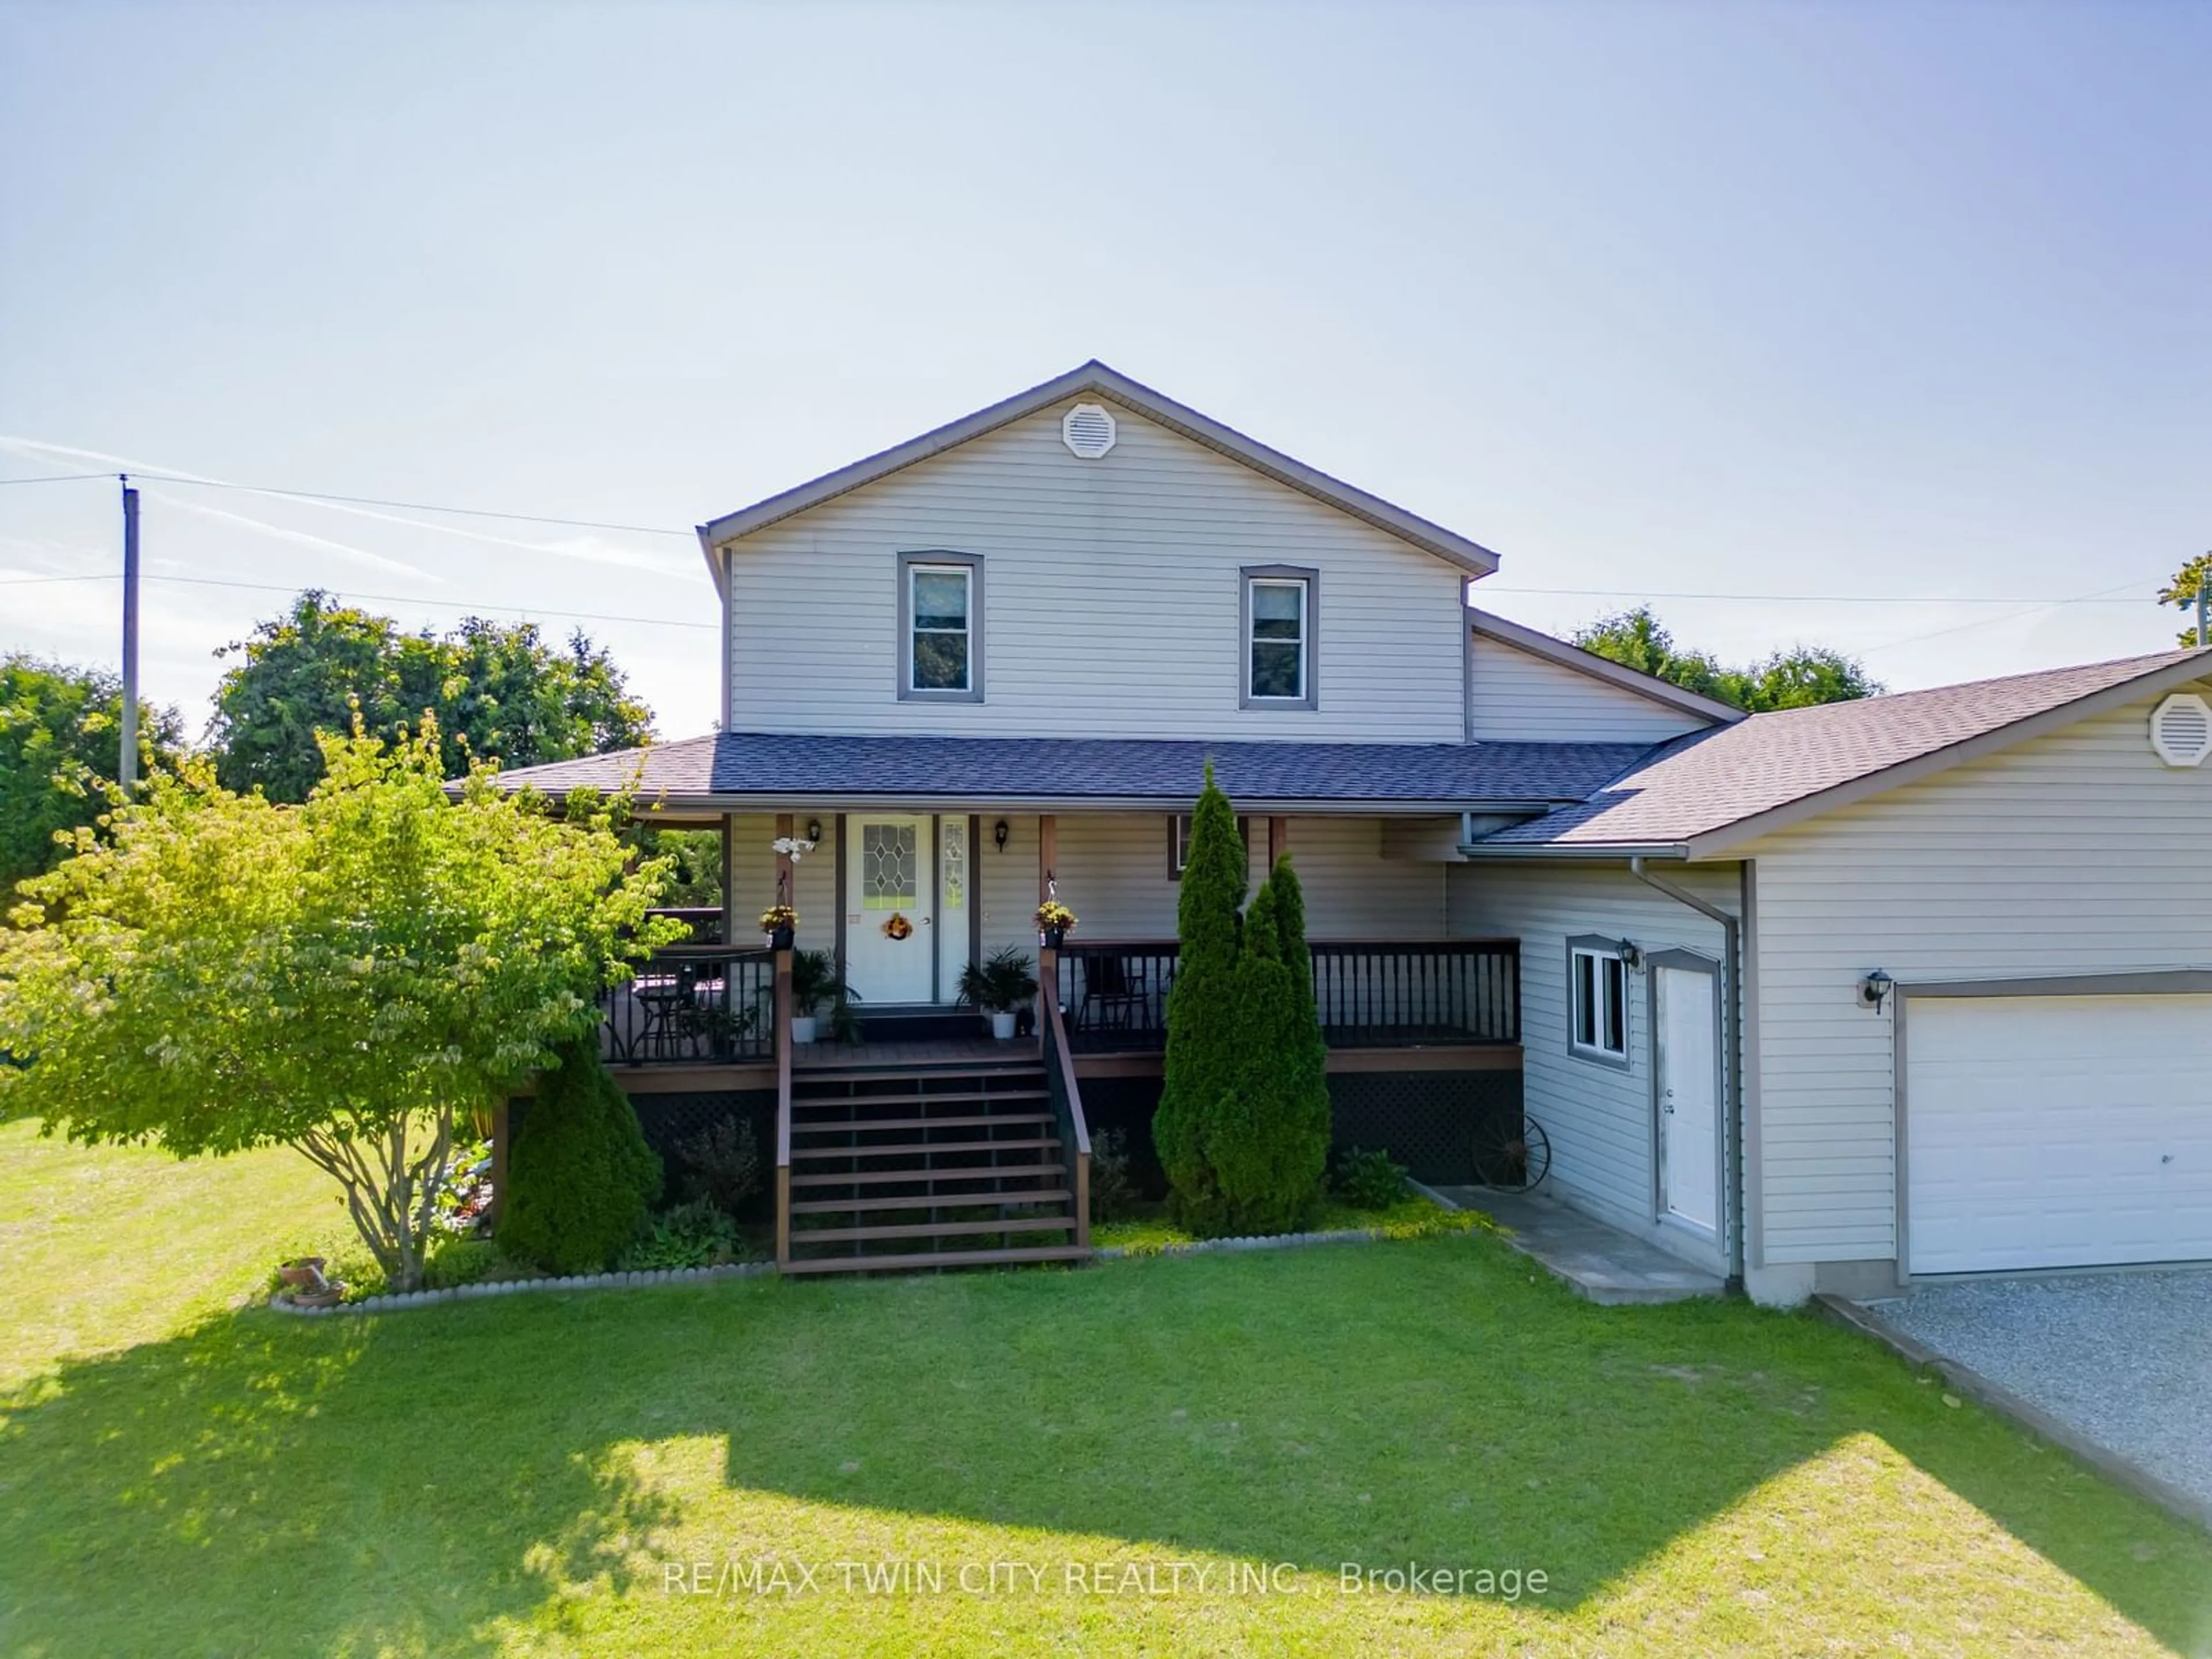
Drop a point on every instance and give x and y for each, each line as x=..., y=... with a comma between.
x=1905, y=304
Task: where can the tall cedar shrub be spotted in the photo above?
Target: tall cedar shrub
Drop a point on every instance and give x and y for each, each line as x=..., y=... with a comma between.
x=580, y=1178
x=1204, y=1045
x=1268, y=1143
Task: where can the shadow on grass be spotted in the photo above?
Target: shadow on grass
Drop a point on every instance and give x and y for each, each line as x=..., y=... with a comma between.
x=409, y=1481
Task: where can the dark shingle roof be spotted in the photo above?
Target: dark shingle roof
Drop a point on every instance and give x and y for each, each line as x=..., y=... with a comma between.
x=1711, y=780
x=730, y=767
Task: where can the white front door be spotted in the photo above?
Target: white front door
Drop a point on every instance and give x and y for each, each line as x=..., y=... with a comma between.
x=2056, y=1131
x=890, y=937
x=1687, y=1058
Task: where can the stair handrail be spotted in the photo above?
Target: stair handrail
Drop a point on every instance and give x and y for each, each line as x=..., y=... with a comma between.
x=1061, y=1085
x=782, y=1042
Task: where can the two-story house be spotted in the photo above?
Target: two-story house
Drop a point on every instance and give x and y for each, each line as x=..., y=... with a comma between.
x=1557, y=907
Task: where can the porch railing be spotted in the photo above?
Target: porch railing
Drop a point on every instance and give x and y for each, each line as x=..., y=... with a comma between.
x=1369, y=995
x=1066, y=1096
x=692, y=1005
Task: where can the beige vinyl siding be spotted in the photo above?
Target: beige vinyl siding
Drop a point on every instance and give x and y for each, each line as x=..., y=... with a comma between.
x=814, y=883
x=1113, y=871
x=2077, y=852
x=1111, y=593
x=1598, y=1117
x=1513, y=696
x=1113, y=875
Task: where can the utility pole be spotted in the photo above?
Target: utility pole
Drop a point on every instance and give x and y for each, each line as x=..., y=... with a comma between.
x=127, y=770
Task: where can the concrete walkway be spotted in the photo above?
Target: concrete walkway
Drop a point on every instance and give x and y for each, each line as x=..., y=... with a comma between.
x=1600, y=1262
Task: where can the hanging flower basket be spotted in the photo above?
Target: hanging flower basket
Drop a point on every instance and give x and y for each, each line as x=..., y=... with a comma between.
x=1055, y=921
x=780, y=923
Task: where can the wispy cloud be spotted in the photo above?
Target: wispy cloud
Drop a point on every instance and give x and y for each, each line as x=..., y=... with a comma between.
x=295, y=538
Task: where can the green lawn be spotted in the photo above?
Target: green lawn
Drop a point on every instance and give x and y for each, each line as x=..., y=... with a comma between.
x=522, y=1475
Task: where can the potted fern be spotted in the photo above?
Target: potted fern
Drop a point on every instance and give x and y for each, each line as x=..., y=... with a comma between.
x=817, y=985
x=999, y=988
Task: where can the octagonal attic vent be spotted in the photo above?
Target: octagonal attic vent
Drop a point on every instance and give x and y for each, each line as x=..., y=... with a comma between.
x=2181, y=729
x=1087, y=430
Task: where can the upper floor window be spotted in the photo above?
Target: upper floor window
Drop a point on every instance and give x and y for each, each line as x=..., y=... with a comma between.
x=1598, y=985
x=941, y=627
x=1279, y=636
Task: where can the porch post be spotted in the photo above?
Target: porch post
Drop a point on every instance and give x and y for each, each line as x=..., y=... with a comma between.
x=1278, y=839
x=783, y=832
x=782, y=1039
x=729, y=881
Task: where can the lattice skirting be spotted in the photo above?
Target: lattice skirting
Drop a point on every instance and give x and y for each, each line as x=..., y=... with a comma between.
x=1425, y=1119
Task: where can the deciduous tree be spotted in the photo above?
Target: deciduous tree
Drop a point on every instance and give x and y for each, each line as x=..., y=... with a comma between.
x=60, y=743
x=498, y=689
x=1796, y=678
x=343, y=977
x=2188, y=582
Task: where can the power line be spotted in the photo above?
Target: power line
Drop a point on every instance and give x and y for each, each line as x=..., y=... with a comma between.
x=456, y=604
x=413, y=507
x=1479, y=593
x=366, y=501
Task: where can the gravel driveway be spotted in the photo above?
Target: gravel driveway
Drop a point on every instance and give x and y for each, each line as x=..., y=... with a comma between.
x=2124, y=1359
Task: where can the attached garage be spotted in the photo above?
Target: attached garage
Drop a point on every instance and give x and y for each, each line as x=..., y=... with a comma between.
x=2056, y=1131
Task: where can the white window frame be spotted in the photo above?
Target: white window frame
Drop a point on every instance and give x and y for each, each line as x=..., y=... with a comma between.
x=1597, y=1001
x=940, y=562
x=1308, y=582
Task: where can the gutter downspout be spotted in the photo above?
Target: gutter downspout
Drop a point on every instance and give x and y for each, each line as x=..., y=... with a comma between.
x=1731, y=1050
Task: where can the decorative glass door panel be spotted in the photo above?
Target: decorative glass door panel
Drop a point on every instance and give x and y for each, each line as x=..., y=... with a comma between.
x=890, y=936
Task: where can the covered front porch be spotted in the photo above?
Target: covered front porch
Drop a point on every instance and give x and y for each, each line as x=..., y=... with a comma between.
x=928, y=1141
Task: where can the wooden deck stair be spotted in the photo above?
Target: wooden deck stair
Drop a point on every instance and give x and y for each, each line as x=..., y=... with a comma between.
x=953, y=1162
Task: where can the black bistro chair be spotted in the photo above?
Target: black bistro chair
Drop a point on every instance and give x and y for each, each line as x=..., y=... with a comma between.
x=1121, y=1000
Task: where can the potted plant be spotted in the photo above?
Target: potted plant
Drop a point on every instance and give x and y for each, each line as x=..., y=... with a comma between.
x=999, y=988
x=816, y=984
x=780, y=923
x=1055, y=921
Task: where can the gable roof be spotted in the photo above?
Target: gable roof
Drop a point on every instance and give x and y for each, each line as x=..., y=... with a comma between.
x=728, y=770
x=1095, y=378
x=1574, y=658
x=1710, y=790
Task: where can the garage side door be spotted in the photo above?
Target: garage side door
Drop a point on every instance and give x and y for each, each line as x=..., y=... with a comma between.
x=2058, y=1132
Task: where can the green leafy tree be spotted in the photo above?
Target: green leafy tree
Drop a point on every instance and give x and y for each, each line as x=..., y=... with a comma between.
x=1203, y=1063
x=580, y=1179
x=61, y=732
x=2188, y=582
x=1796, y=678
x=343, y=977
x=498, y=689
x=1268, y=1139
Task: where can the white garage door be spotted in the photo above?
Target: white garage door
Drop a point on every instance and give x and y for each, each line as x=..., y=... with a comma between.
x=2058, y=1132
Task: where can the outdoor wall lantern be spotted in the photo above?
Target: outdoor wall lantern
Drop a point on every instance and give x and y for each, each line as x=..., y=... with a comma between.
x=1873, y=990
x=1630, y=953
x=999, y=834
x=814, y=830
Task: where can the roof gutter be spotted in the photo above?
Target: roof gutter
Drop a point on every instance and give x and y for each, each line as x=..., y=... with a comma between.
x=1547, y=851
x=1731, y=1047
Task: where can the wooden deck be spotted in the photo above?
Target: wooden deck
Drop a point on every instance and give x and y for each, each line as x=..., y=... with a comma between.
x=920, y=1051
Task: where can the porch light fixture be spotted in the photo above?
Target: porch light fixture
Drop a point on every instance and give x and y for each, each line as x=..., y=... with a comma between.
x=1630, y=954
x=999, y=834
x=1873, y=990
x=814, y=830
